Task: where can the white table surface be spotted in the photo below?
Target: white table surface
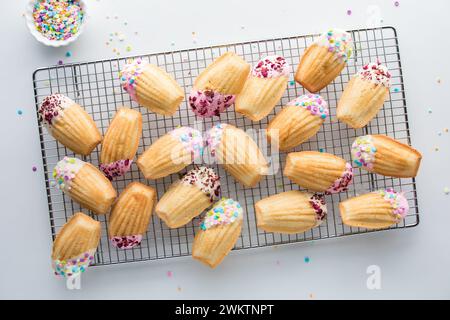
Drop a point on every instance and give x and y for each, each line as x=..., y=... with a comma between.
x=414, y=263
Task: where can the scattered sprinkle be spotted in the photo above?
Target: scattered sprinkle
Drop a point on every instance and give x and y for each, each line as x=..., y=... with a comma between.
x=19, y=112
x=34, y=168
x=447, y=191
x=292, y=83
x=60, y=62
x=321, y=150
x=396, y=90
x=430, y=111
x=397, y=3
x=169, y=274
x=349, y=12
x=307, y=260
x=68, y=54
x=128, y=48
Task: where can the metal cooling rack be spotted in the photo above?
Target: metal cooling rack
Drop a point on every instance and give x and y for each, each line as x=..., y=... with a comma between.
x=95, y=85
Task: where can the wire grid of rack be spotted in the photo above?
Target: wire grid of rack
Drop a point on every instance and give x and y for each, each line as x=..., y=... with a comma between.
x=96, y=86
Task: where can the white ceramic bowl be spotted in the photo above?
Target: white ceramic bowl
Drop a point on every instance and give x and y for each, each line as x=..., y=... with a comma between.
x=52, y=43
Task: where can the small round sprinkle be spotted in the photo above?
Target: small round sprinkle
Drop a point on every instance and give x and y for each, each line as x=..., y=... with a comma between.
x=68, y=54
x=396, y=90
x=447, y=190
x=34, y=168
x=60, y=62
x=19, y=112
x=397, y=3
x=58, y=20
x=307, y=260
x=292, y=83
x=349, y=12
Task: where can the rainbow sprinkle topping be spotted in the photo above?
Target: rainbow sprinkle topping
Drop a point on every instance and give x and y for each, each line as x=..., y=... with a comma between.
x=319, y=205
x=65, y=171
x=376, y=73
x=363, y=152
x=271, y=67
x=214, y=137
x=191, y=139
x=225, y=211
x=71, y=267
x=313, y=103
x=398, y=202
x=206, y=180
x=342, y=184
x=337, y=41
x=130, y=74
x=58, y=20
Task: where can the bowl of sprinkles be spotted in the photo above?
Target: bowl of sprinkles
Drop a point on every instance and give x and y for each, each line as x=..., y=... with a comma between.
x=56, y=23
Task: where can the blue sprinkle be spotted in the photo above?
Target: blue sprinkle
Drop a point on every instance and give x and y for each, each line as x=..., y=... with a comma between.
x=68, y=54
x=307, y=259
x=19, y=112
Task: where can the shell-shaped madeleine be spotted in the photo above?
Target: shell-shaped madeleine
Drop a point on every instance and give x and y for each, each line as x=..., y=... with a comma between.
x=376, y=210
x=189, y=197
x=216, y=87
x=75, y=245
x=219, y=232
x=226, y=75
x=364, y=95
x=298, y=122
x=85, y=184
x=238, y=153
x=121, y=143
x=324, y=60
x=319, y=172
x=171, y=153
x=131, y=215
x=264, y=88
x=151, y=86
x=291, y=212
x=386, y=156
x=69, y=123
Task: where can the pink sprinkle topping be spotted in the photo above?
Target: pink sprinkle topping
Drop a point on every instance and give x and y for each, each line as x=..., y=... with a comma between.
x=209, y=103
x=52, y=107
x=319, y=205
x=126, y=242
x=271, y=67
x=376, y=73
x=206, y=180
x=116, y=169
x=342, y=184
